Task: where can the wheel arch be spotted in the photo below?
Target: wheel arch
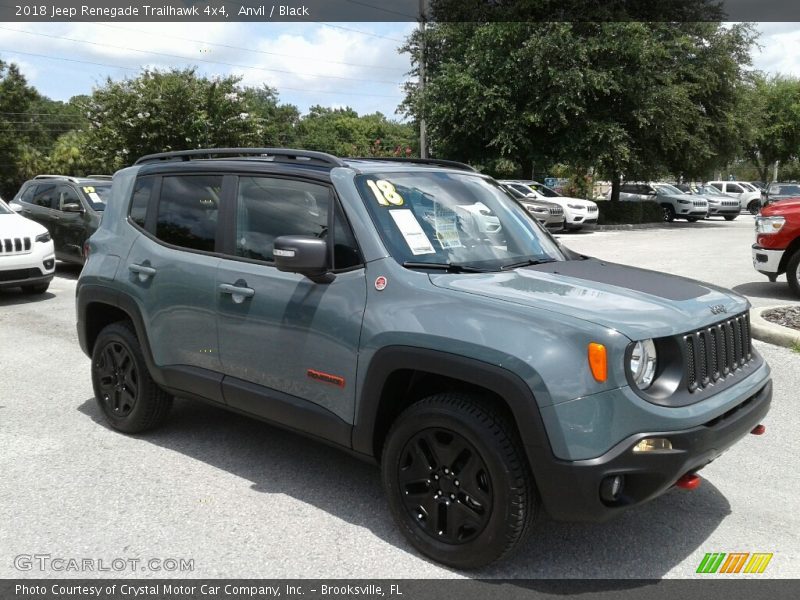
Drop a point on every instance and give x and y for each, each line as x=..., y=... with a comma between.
x=398, y=376
x=793, y=247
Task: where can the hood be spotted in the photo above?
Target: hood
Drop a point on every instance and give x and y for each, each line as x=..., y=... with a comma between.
x=636, y=302
x=782, y=207
x=689, y=197
x=14, y=225
x=564, y=200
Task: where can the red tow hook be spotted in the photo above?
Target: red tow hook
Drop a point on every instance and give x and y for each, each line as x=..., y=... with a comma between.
x=690, y=481
x=758, y=430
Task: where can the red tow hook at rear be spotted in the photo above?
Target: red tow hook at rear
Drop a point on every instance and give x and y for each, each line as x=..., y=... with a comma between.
x=758, y=430
x=690, y=481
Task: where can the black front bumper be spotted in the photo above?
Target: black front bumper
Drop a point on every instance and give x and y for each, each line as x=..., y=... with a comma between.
x=571, y=490
x=30, y=279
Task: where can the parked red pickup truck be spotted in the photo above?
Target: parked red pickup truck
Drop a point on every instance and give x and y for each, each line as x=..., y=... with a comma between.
x=777, y=247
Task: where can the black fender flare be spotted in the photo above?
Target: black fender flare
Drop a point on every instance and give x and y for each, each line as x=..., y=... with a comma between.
x=507, y=384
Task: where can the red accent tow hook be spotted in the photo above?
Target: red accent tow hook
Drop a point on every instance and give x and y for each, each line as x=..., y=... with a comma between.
x=690, y=481
x=758, y=430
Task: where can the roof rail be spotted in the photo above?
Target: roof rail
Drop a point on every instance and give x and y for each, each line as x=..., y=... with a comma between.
x=287, y=154
x=419, y=161
x=100, y=177
x=70, y=177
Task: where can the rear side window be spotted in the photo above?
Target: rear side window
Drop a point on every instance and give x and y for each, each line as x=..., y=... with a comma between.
x=141, y=198
x=268, y=208
x=45, y=195
x=734, y=189
x=188, y=211
x=717, y=185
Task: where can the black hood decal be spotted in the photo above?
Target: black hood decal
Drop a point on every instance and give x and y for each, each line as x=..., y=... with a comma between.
x=662, y=285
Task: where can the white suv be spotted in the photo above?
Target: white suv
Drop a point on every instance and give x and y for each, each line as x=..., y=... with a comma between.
x=577, y=211
x=27, y=256
x=749, y=197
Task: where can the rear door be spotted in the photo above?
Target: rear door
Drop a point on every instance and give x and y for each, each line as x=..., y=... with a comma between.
x=171, y=270
x=43, y=207
x=284, y=340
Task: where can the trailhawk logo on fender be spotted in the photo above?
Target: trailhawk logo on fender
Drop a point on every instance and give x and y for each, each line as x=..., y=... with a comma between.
x=718, y=308
x=326, y=377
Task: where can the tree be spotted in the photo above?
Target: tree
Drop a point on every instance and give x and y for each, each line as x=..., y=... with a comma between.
x=278, y=121
x=341, y=131
x=16, y=100
x=160, y=111
x=628, y=98
x=772, y=110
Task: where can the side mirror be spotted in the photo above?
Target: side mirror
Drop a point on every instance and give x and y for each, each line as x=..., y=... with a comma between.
x=303, y=254
x=72, y=208
x=652, y=193
x=15, y=207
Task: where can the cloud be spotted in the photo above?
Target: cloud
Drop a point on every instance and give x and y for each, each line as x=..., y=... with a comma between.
x=778, y=49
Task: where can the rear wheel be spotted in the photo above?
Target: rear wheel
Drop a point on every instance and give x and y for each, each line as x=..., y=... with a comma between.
x=730, y=217
x=39, y=288
x=457, y=480
x=753, y=207
x=692, y=219
x=129, y=398
x=669, y=213
x=793, y=272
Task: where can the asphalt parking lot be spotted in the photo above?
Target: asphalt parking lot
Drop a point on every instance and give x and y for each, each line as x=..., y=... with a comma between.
x=244, y=499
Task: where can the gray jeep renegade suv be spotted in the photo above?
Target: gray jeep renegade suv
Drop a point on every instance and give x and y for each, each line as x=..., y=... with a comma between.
x=412, y=313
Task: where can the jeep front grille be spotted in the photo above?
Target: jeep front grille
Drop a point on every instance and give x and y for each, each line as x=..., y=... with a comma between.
x=699, y=203
x=556, y=210
x=15, y=245
x=592, y=209
x=730, y=203
x=715, y=352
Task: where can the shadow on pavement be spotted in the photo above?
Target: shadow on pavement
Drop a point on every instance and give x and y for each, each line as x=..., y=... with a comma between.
x=14, y=296
x=778, y=290
x=68, y=270
x=644, y=543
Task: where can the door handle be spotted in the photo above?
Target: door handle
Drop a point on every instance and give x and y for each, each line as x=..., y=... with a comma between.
x=143, y=271
x=238, y=292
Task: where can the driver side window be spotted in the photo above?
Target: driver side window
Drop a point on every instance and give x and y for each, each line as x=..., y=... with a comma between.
x=268, y=208
x=66, y=195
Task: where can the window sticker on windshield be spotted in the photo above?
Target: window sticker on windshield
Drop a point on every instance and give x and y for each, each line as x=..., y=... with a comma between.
x=89, y=189
x=95, y=197
x=445, y=223
x=412, y=232
x=385, y=193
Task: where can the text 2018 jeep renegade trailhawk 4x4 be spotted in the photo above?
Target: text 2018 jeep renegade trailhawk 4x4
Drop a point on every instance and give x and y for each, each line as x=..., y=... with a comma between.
x=414, y=314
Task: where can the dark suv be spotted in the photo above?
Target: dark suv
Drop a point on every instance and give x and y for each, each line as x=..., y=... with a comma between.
x=69, y=207
x=412, y=313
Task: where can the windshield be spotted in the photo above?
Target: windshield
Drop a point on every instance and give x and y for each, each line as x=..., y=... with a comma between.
x=667, y=189
x=453, y=220
x=784, y=190
x=4, y=210
x=544, y=190
x=97, y=194
x=710, y=190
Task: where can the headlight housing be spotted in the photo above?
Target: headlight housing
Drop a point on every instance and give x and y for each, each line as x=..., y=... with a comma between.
x=681, y=201
x=43, y=237
x=643, y=362
x=535, y=208
x=769, y=224
x=575, y=206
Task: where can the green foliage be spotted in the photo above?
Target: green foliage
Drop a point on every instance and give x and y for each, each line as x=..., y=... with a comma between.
x=159, y=111
x=16, y=101
x=341, y=131
x=616, y=213
x=69, y=156
x=771, y=109
x=628, y=98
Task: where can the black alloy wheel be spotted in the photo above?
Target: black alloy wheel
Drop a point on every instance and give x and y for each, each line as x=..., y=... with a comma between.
x=117, y=378
x=445, y=485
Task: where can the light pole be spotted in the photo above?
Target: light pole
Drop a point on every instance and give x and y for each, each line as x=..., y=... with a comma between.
x=423, y=134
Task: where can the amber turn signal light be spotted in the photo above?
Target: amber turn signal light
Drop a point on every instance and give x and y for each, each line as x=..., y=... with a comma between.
x=598, y=362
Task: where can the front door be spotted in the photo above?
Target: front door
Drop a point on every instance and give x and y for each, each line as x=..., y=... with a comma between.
x=280, y=334
x=70, y=227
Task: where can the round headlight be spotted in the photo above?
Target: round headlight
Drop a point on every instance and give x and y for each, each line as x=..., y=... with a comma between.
x=643, y=363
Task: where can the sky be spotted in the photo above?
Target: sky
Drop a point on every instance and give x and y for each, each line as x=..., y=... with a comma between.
x=333, y=64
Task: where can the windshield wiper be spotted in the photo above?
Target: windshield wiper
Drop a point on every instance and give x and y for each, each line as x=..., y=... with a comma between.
x=526, y=263
x=451, y=267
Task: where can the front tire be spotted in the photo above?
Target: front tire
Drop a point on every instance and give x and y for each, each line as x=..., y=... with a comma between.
x=128, y=397
x=458, y=482
x=730, y=217
x=793, y=273
x=692, y=219
x=669, y=214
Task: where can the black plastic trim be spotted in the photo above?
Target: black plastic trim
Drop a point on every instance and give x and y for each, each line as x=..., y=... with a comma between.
x=27, y=281
x=285, y=410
